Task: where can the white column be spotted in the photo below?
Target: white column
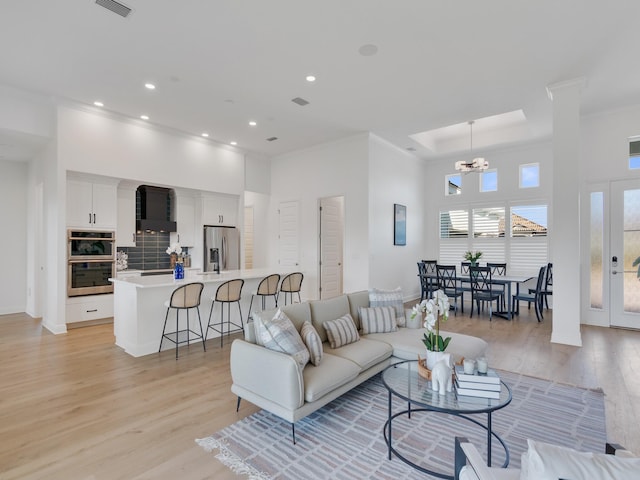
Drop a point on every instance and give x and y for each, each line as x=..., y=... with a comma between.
x=565, y=211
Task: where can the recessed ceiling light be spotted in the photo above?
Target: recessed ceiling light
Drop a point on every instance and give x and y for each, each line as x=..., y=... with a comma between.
x=311, y=78
x=98, y=104
x=144, y=117
x=205, y=134
x=233, y=143
x=253, y=123
x=368, y=50
x=150, y=86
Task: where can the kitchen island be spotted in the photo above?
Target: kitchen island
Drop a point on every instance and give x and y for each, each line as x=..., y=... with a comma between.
x=139, y=311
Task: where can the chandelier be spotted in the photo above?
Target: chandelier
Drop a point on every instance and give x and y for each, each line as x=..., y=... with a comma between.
x=478, y=164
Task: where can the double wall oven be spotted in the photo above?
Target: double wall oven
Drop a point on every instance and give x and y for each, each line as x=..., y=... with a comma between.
x=91, y=262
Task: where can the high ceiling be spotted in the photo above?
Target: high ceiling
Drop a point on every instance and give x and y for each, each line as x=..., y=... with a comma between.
x=219, y=64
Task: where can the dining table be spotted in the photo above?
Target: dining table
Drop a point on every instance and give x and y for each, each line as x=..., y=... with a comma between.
x=506, y=280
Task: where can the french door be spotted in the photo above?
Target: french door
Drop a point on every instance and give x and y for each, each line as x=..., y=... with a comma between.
x=624, y=285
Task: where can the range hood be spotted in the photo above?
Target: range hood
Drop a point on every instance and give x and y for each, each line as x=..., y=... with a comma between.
x=155, y=209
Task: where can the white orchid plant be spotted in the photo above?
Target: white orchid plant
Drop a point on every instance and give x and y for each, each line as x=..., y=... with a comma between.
x=434, y=307
x=174, y=248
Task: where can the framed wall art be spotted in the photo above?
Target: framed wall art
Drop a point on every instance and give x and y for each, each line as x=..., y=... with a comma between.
x=399, y=224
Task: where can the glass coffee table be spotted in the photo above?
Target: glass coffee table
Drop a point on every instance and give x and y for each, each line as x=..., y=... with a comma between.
x=402, y=380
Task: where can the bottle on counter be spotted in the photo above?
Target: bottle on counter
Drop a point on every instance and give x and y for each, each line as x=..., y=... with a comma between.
x=178, y=270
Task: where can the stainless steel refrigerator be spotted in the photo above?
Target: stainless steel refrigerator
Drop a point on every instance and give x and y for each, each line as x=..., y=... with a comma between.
x=221, y=248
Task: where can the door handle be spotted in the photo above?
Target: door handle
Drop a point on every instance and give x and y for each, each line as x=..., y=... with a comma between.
x=614, y=272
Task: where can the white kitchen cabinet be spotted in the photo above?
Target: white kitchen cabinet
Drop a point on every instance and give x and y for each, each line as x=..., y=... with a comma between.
x=185, y=217
x=91, y=205
x=220, y=210
x=126, y=231
x=89, y=307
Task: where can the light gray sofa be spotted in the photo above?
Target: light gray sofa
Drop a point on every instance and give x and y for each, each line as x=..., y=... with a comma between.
x=274, y=381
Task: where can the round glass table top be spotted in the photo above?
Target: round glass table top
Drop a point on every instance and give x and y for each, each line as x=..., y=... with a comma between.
x=402, y=379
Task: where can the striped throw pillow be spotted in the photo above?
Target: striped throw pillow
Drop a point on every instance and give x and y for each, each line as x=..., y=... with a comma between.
x=378, y=320
x=312, y=340
x=280, y=334
x=341, y=331
x=389, y=298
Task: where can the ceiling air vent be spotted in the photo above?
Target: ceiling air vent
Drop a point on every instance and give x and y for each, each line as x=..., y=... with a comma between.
x=272, y=139
x=115, y=7
x=300, y=101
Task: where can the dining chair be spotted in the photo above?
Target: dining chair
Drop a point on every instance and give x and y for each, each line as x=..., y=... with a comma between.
x=499, y=269
x=465, y=286
x=548, y=286
x=185, y=297
x=534, y=296
x=482, y=289
x=448, y=282
x=424, y=281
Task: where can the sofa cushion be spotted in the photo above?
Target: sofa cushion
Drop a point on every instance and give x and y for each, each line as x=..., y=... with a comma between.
x=365, y=353
x=544, y=461
x=407, y=344
x=329, y=309
x=298, y=313
x=341, y=331
x=332, y=373
x=357, y=300
x=279, y=334
x=312, y=340
x=378, y=320
x=388, y=298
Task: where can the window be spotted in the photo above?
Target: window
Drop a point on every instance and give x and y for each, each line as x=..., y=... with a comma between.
x=596, y=241
x=488, y=222
x=454, y=224
x=453, y=184
x=530, y=175
x=529, y=221
x=489, y=181
x=634, y=154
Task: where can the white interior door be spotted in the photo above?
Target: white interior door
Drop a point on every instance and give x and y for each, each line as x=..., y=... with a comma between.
x=288, y=233
x=625, y=248
x=331, y=246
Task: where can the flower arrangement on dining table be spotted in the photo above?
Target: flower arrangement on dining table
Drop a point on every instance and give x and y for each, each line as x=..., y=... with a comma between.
x=473, y=257
x=434, y=308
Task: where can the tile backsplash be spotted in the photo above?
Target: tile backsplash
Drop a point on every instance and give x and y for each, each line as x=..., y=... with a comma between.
x=149, y=252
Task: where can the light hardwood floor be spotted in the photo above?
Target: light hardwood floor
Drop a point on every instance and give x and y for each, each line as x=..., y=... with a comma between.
x=75, y=406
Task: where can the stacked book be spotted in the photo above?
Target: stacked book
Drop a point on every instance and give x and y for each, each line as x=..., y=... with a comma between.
x=483, y=385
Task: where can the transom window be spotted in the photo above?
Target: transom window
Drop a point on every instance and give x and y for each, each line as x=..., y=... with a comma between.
x=489, y=181
x=453, y=184
x=530, y=175
x=634, y=153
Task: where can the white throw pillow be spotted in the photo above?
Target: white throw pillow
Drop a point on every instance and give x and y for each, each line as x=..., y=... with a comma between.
x=313, y=342
x=280, y=334
x=543, y=461
x=389, y=298
x=378, y=320
x=341, y=331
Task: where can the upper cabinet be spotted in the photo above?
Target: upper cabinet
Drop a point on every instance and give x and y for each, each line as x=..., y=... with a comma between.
x=126, y=232
x=220, y=210
x=185, y=217
x=91, y=205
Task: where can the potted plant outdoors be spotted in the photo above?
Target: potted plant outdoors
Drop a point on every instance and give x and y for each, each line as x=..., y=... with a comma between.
x=433, y=309
x=472, y=257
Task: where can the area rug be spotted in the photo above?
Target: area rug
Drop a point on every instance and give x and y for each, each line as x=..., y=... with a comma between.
x=344, y=439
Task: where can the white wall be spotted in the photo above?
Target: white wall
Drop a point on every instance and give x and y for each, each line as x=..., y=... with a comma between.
x=257, y=177
x=26, y=113
x=92, y=142
x=332, y=169
x=395, y=176
x=261, y=248
x=13, y=241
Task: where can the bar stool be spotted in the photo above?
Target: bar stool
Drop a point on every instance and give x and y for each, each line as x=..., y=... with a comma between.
x=291, y=284
x=268, y=287
x=228, y=292
x=183, y=298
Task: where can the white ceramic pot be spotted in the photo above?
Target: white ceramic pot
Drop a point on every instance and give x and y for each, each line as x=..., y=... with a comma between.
x=435, y=357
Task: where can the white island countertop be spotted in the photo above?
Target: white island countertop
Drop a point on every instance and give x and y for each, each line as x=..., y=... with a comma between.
x=155, y=281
